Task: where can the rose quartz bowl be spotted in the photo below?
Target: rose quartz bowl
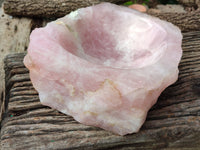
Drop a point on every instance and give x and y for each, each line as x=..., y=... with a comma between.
x=104, y=65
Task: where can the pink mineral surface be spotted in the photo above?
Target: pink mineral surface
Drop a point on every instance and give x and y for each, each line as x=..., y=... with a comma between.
x=105, y=65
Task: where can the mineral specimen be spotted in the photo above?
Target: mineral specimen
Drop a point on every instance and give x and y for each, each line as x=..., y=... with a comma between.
x=105, y=65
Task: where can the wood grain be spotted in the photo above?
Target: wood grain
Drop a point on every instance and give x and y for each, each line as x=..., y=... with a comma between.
x=14, y=38
x=48, y=8
x=58, y=8
x=190, y=3
x=172, y=124
x=185, y=21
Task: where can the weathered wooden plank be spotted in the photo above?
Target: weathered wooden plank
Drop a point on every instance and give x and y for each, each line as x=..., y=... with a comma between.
x=172, y=124
x=14, y=38
x=57, y=8
x=48, y=8
x=190, y=3
x=185, y=21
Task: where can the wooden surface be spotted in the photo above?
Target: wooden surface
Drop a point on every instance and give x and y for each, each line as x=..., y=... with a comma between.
x=57, y=8
x=48, y=8
x=172, y=124
x=190, y=3
x=14, y=37
x=185, y=21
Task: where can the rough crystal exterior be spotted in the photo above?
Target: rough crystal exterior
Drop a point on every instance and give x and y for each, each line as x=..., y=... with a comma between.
x=105, y=65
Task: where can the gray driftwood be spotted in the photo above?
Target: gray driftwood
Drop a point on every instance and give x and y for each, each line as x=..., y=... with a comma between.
x=172, y=124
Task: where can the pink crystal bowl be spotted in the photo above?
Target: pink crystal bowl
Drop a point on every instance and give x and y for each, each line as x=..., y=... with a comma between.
x=105, y=65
